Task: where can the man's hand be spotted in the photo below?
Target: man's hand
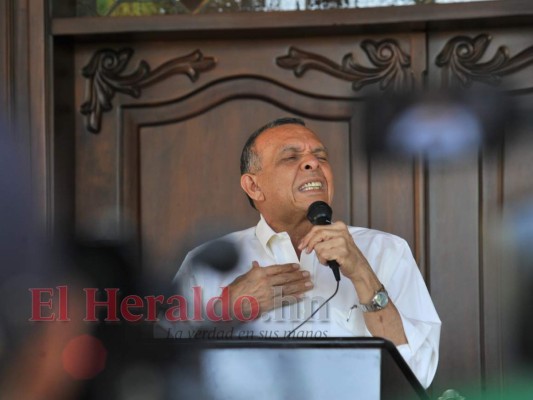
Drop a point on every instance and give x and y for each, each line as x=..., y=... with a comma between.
x=334, y=242
x=269, y=284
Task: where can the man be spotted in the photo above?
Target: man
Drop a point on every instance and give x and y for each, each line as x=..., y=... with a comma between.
x=283, y=260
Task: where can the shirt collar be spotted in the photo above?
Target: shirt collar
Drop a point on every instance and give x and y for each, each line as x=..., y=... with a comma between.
x=264, y=233
x=277, y=244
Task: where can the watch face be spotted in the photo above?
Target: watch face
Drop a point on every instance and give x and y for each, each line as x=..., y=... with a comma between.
x=381, y=299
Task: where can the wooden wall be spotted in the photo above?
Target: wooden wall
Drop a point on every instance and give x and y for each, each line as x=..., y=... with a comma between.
x=24, y=91
x=159, y=156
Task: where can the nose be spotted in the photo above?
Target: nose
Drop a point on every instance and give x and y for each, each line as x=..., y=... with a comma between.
x=310, y=162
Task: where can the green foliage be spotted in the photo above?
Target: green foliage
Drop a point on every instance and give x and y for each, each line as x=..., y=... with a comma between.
x=129, y=8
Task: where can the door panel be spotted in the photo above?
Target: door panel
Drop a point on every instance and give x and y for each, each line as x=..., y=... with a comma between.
x=147, y=168
x=470, y=282
x=189, y=177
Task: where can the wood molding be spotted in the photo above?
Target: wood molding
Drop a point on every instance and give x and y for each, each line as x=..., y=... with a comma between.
x=104, y=73
x=392, y=66
x=460, y=61
x=305, y=22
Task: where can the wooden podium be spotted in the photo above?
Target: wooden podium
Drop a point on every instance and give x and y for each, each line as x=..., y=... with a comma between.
x=307, y=369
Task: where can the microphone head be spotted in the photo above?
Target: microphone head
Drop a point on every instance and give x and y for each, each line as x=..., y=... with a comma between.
x=319, y=213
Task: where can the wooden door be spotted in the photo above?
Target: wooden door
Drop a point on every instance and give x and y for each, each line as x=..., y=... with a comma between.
x=165, y=165
x=468, y=205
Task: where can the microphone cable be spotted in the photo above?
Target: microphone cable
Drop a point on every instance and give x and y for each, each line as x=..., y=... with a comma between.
x=314, y=312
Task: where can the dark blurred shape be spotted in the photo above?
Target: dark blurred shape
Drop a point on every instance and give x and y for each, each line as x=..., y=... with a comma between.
x=20, y=243
x=519, y=241
x=30, y=363
x=520, y=220
x=440, y=126
x=218, y=254
x=76, y=359
x=103, y=263
x=129, y=348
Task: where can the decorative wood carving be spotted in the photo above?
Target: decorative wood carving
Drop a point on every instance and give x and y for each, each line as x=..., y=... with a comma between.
x=392, y=65
x=104, y=78
x=460, y=59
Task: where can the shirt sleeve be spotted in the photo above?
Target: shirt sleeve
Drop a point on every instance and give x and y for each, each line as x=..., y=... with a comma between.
x=400, y=275
x=421, y=323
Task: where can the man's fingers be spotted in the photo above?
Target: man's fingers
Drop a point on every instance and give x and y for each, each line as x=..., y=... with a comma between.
x=272, y=283
x=330, y=247
x=319, y=234
x=321, y=237
x=281, y=269
x=281, y=279
x=296, y=287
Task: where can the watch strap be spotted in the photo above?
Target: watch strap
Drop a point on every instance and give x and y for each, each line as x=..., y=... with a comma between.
x=374, y=304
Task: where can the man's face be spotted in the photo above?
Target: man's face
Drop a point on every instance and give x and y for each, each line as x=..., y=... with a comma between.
x=295, y=171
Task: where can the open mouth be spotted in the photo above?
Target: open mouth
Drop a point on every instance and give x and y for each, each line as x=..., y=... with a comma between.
x=315, y=185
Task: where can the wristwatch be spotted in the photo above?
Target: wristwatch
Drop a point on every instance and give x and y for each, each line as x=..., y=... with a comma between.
x=378, y=302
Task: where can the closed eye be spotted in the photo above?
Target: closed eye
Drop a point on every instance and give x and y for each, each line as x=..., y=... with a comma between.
x=321, y=154
x=290, y=158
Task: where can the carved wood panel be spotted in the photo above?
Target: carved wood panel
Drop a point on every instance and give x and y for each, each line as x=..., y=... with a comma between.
x=461, y=65
x=391, y=66
x=180, y=172
x=465, y=204
x=104, y=74
x=241, y=94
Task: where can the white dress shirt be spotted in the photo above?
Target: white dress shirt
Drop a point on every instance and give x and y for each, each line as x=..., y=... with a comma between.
x=388, y=255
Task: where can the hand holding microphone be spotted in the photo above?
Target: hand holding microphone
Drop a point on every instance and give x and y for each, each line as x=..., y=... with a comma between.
x=319, y=213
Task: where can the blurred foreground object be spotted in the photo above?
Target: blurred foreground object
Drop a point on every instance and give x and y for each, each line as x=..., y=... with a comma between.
x=30, y=353
x=439, y=126
x=518, y=245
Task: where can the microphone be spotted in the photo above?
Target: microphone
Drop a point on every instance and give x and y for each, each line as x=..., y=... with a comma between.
x=319, y=213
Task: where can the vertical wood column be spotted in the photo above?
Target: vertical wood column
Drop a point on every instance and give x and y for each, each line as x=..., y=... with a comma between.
x=23, y=89
x=6, y=64
x=453, y=246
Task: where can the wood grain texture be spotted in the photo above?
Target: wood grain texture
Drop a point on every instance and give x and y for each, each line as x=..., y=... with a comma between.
x=453, y=259
x=187, y=189
x=23, y=95
x=488, y=323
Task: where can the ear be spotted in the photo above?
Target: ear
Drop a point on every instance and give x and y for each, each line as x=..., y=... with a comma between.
x=250, y=186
